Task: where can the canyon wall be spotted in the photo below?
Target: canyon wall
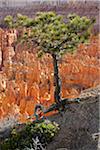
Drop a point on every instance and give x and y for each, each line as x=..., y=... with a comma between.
x=26, y=80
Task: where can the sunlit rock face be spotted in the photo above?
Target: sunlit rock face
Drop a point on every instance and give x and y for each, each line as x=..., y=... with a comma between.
x=26, y=80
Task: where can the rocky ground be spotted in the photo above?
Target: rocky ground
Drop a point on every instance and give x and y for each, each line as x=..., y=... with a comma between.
x=78, y=124
x=6, y=125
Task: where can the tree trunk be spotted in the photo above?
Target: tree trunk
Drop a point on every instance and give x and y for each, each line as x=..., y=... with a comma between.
x=57, y=81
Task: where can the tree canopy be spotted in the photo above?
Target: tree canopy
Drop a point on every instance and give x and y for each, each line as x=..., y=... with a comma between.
x=54, y=33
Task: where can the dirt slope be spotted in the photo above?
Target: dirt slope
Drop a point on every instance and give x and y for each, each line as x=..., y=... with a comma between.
x=78, y=124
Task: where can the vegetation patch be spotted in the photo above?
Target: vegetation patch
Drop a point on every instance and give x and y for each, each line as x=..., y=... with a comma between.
x=31, y=136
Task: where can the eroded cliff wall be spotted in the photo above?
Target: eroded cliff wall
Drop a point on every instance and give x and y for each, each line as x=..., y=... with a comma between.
x=26, y=80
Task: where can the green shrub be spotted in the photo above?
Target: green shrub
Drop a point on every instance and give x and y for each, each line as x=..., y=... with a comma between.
x=20, y=138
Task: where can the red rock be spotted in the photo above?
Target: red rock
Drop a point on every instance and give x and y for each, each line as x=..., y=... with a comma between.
x=26, y=80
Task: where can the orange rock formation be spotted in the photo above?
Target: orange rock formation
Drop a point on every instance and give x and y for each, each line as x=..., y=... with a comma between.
x=26, y=80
